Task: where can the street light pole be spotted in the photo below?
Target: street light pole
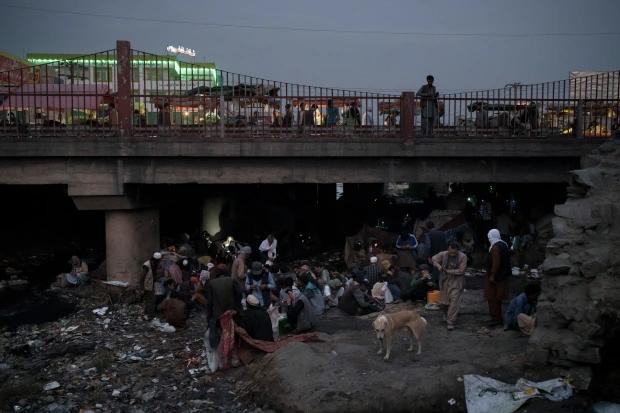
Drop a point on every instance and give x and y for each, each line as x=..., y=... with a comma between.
x=514, y=86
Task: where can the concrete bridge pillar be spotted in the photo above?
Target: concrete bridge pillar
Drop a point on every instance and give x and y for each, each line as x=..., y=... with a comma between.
x=132, y=236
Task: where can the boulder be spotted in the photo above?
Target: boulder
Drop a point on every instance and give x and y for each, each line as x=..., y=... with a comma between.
x=594, y=261
x=562, y=228
x=579, y=209
x=556, y=266
x=606, y=289
x=589, y=177
x=591, y=355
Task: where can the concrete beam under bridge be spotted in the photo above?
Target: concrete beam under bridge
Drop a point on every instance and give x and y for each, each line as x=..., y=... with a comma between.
x=85, y=175
x=318, y=147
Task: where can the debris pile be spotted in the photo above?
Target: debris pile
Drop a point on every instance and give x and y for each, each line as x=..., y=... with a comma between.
x=108, y=360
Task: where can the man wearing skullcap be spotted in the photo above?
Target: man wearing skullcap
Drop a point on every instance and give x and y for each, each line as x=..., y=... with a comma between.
x=147, y=282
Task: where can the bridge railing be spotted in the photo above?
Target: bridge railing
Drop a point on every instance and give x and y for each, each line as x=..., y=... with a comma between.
x=174, y=97
x=125, y=92
x=580, y=106
x=70, y=97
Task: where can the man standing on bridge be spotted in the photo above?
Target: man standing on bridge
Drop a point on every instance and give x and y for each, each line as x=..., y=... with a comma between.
x=428, y=103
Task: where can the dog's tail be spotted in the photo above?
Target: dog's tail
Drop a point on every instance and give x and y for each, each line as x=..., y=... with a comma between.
x=425, y=322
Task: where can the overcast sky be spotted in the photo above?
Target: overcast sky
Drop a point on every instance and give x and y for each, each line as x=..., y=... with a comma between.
x=343, y=60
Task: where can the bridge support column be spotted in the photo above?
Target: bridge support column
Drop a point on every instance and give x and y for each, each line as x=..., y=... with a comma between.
x=132, y=236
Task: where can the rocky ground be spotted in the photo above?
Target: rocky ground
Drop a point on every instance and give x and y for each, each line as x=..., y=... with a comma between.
x=116, y=362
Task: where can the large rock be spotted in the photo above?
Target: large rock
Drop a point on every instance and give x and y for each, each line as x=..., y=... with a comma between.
x=556, y=266
x=577, y=312
x=345, y=373
x=595, y=261
x=574, y=210
x=562, y=227
x=606, y=289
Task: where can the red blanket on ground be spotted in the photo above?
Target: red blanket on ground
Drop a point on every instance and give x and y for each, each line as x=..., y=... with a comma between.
x=227, y=342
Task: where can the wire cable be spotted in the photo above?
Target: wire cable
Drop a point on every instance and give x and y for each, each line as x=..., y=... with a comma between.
x=307, y=29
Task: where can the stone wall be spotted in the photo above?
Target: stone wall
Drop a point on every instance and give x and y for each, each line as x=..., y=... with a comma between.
x=579, y=308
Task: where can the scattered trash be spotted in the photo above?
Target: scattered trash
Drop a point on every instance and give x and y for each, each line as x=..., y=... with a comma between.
x=432, y=307
x=606, y=407
x=164, y=328
x=484, y=394
x=100, y=311
x=51, y=386
x=116, y=393
x=459, y=378
x=452, y=402
x=69, y=329
x=117, y=283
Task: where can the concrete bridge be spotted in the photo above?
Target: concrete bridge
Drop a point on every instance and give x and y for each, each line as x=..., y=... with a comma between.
x=108, y=173
x=101, y=166
x=210, y=132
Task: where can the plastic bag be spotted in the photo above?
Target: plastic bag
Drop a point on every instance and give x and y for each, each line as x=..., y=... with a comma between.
x=214, y=360
x=484, y=394
x=387, y=294
x=164, y=328
x=606, y=407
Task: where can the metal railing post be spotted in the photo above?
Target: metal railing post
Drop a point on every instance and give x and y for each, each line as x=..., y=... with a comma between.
x=579, y=132
x=123, y=71
x=222, y=121
x=407, y=115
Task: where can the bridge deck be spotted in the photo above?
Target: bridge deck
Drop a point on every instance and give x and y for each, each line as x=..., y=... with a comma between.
x=298, y=147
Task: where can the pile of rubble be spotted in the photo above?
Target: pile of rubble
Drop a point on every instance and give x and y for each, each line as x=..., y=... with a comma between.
x=579, y=310
x=107, y=361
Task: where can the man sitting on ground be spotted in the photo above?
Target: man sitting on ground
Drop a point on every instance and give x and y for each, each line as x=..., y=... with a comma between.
x=258, y=323
x=404, y=280
x=422, y=283
x=372, y=272
x=300, y=312
x=393, y=283
x=169, y=286
x=521, y=312
x=285, y=284
x=334, y=274
x=174, y=312
x=355, y=300
x=332, y=293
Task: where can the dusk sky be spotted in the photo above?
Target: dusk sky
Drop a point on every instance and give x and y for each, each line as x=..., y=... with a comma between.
x=369, y=61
